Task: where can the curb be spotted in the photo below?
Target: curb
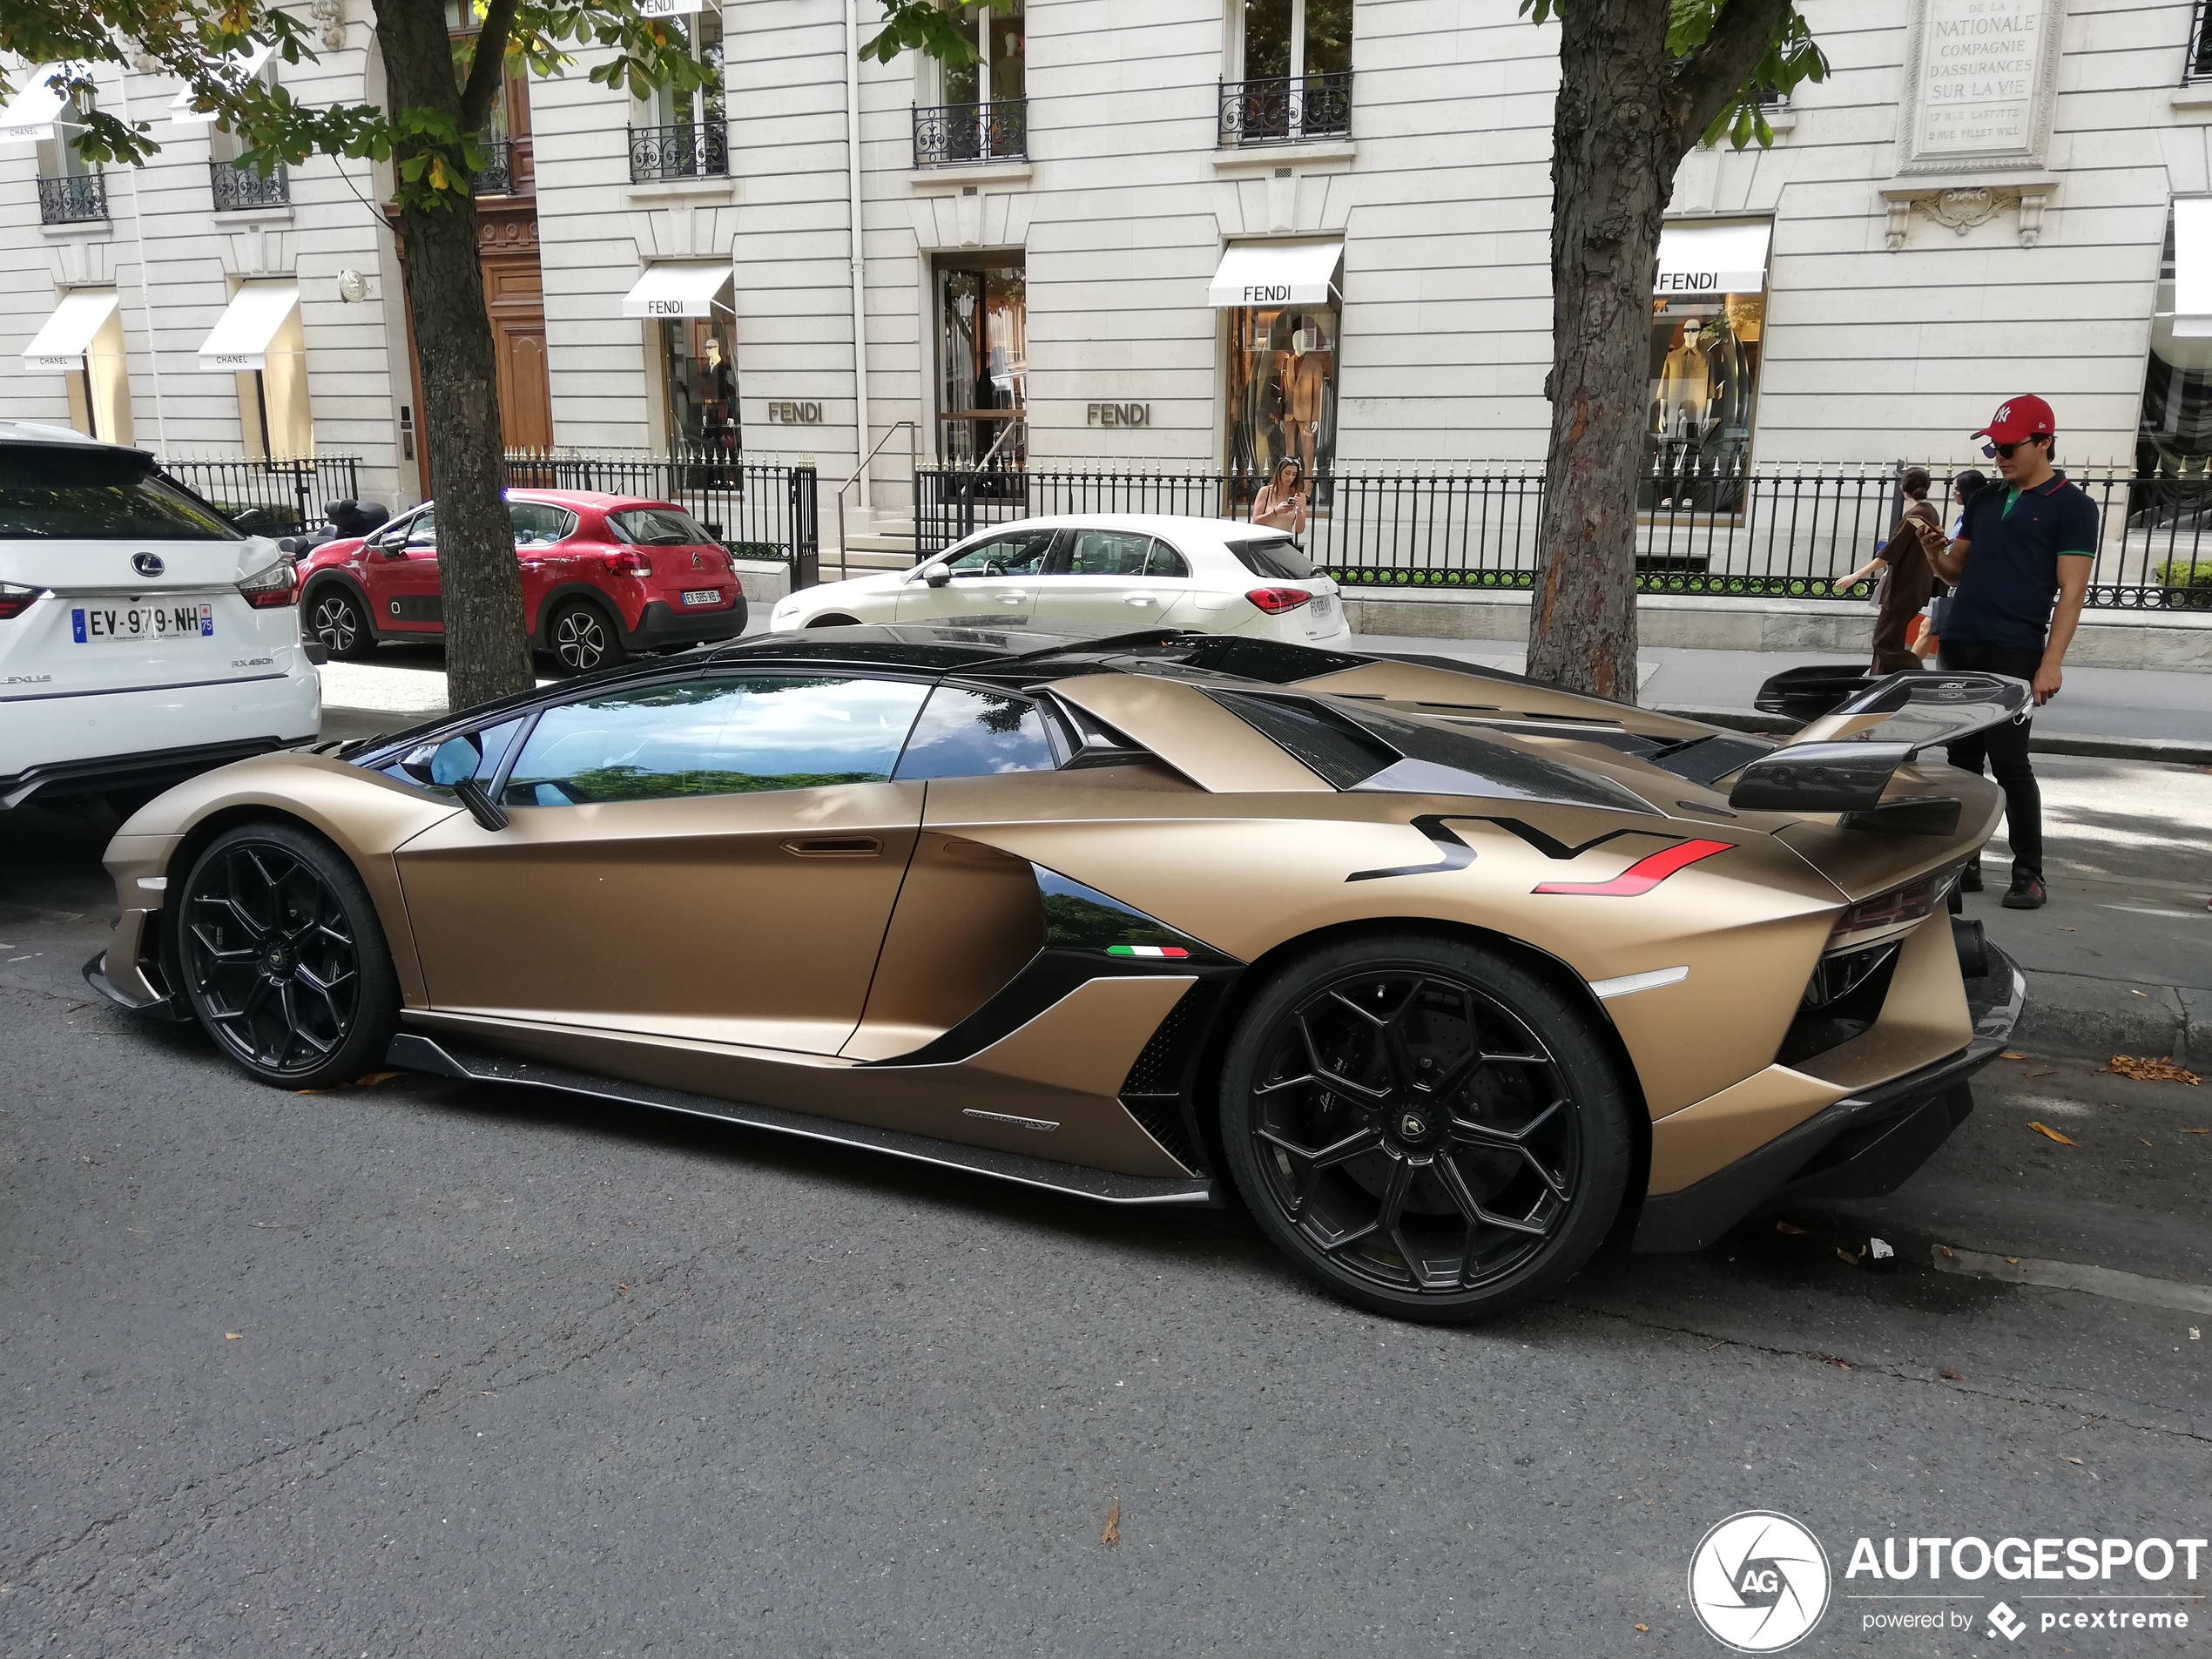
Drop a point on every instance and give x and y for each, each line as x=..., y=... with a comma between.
x=2074, y=1014
x=2175, y=751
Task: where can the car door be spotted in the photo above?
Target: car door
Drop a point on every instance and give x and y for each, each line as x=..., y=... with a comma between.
x=540, y=529
x=1104, y=587
x=994, y=583
x=400, y=573
x=711, y=858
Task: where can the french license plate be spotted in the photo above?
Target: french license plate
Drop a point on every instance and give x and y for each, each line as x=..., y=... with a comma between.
x=704, y=597
x=1323, y=610
x=99, y=624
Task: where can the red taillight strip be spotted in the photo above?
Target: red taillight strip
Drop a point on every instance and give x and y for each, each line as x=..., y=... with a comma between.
x=1645, y=873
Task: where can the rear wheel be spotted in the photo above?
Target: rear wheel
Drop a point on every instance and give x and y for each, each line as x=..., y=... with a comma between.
x=336, y=618
x=834, y=621
x=282, y=958
x=583, y=637
x=1424, y=1127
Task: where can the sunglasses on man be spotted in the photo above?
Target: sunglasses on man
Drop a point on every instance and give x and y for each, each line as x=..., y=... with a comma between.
x=1992, y=450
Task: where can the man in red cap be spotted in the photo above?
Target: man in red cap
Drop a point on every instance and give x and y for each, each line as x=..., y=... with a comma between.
x=2025, y=545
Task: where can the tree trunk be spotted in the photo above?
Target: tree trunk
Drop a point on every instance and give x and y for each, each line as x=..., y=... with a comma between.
x=488, y=654
x=1616, y=139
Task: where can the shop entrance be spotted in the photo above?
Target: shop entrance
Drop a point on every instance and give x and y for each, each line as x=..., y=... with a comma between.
x=982, y=361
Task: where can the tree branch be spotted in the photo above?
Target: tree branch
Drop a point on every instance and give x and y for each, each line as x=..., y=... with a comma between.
x=1711, y=76
x=487, y=68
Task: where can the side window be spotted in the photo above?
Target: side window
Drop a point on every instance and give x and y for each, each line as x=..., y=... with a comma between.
x=1022, y=555
x=714, y=737
x=976, y=734
x=537, y=524
x=1109, y=553
x=1166, y=561
x=423, y=532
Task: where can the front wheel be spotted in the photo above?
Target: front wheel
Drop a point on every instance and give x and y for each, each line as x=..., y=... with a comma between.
x=282, y=958
x=1424, y=1126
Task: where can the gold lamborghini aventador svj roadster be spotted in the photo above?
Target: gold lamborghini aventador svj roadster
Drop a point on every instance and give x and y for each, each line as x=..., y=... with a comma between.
x=1450, y=976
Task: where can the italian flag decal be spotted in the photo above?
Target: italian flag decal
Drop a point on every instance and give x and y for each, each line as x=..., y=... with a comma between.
x=1171, y=953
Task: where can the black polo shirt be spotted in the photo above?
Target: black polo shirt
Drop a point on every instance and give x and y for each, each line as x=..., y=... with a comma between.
x=2004, y=594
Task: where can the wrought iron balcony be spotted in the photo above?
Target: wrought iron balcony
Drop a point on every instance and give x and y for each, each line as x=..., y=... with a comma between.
x=949, y=135
x=237, y=186
x=497, y=176
x=699, y=151
x=74, y=199
x=2197, y=66
x=1286, y=109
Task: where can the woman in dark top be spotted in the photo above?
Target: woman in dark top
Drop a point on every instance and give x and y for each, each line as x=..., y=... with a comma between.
x=1908, y=578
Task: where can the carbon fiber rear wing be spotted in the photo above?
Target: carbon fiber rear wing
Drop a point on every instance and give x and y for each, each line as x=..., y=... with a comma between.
x=1843, y=761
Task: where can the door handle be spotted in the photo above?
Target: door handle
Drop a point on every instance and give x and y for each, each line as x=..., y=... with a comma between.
x=834, y=847
x=1013, y=598
x=1138, y=599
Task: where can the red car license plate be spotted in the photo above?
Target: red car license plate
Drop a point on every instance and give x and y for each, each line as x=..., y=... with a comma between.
x=704, y=597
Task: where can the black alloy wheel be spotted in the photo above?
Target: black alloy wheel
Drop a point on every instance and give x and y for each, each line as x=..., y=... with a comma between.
x=834, y=621
x=336, y=618
x=282, y=960
x=1424, y=1126
x=583, y=637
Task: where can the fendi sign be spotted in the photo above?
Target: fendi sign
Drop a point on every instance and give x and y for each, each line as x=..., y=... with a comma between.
x=1118, y=414
x=794, y=415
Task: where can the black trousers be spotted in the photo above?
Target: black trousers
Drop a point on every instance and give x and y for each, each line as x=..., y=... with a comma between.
x=2005, y=750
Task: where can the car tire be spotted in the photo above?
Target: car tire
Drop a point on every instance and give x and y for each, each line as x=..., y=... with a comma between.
x=339, y=621
x=834, y=621
x=281, y=959
x=583, y=638
x=1424, y=1126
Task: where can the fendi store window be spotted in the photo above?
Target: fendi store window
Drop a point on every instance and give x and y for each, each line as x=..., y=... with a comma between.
x=1707, y=333
x=982, y=360
x=1284, y=331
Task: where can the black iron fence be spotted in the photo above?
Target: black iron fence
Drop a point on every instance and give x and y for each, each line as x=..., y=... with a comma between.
x=948, y=134
x=270, y=498
x=234, y=185
x=497, y=176
x=1759, y=535
x=698, y=150
x=1282, y=108
x=73, y=198
x=756, y=510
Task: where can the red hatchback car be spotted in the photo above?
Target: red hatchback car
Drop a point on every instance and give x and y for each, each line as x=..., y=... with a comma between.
x=603, y=577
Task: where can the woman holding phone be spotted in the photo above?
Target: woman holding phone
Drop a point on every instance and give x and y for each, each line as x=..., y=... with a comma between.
x=1280, y=504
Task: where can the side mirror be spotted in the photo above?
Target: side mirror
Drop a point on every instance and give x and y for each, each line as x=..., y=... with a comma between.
x=452, y=765
x=937, y=575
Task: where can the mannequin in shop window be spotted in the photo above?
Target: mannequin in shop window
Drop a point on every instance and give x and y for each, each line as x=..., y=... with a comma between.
x=1305, y=372
x=1691, y=383
x=719, y=396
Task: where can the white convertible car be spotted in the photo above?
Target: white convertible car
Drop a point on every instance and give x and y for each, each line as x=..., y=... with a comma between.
x=1097, y=572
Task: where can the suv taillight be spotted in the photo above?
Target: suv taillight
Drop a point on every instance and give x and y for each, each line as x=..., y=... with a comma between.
x=272, y=588
x=1275, y=601
x=629, y=562
x=15, y=599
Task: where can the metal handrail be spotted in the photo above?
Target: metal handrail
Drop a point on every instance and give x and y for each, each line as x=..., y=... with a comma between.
x=914, y=466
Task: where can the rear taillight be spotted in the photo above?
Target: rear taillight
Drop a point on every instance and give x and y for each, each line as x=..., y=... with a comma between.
x=1888, y=914
x=629, y=562
x=15, y=599
x=272, y=587
x=1275, y=601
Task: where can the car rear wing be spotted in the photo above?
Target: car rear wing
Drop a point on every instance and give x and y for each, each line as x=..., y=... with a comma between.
x=1841, y=761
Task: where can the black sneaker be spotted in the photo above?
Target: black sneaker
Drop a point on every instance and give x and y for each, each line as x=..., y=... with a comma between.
x=2026, y=893
x=1970, y=878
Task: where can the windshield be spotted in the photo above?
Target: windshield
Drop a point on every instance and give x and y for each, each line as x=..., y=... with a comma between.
x=51, y=495
x=660, y=526
x=1279, y=560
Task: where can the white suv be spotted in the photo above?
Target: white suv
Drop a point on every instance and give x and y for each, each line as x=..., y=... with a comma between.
x=142, y=638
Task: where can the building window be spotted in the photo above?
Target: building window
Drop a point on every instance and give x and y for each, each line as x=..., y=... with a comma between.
x=1704, y=388
x=2198, y=65
x=1294, y=74
x=100, y=391
x=984, y=114
x=689, y=136
x=2173, y=434
x=982, y=357
x=233, y=181
x=71, y=190
x=701, y=384
x=1282, y=387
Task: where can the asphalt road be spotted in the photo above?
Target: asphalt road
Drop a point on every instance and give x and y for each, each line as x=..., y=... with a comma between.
x=423, y=1368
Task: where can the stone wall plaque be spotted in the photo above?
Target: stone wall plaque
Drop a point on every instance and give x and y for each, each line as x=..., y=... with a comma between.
x=1979, y=81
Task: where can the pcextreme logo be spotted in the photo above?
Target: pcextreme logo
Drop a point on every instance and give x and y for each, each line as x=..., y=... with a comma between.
x=1758, y=1582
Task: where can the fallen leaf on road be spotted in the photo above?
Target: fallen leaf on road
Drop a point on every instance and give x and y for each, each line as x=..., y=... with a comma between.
x=1947, y=1250
x=1784, y=1227
x=233, y=1336
x=2074, y=1459
x=1840, y=1364
x=2011, y=1054
x=369, y=1079
x=2151, y=1071
x=1643, y=1627
x=2052, y=1073
x=2015, y=1260
x=2046, y=1130
x=1847, y=1255
x=1113, y=1533
x=622, y=1290
x=1948, y=1375
x=2197, y=1131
